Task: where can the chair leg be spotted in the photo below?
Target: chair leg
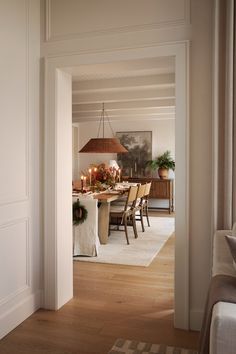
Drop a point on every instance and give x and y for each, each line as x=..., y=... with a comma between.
x=117, y=224
x=141, y=219
x=126, y=229
x=146, y=212
x=134, y=226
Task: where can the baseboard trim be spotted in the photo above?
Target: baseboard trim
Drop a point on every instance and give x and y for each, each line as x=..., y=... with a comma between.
x=196, y=317
x=17, y=314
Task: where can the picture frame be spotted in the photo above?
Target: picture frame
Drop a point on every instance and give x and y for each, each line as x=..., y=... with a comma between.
x=139, y=146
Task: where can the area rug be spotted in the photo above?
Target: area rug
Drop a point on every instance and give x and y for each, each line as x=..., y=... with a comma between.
x=140, y=251
x=124, y=346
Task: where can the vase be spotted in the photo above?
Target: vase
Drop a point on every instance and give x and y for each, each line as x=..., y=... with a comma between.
x=163, y=173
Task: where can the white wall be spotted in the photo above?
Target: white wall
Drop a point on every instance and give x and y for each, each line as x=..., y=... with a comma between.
x=163, y=138
x=165, y=21
x=75, y=149
x=20, y=228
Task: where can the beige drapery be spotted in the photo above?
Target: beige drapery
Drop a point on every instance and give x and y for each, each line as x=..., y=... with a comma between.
x=225, y=114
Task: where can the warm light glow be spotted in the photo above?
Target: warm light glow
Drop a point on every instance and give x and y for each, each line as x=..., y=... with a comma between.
x=114, y=164
x=90, y=176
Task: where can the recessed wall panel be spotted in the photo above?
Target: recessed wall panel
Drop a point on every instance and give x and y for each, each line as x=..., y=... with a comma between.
x=13, y=101
x=14, y=262
x=73, y=17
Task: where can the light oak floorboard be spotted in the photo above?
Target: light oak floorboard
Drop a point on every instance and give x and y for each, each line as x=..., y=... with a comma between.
x=110, y=302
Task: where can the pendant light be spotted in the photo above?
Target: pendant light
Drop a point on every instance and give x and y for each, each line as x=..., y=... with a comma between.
x=104, y=145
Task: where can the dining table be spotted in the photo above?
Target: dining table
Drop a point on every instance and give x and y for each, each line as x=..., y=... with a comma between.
x=105, y=200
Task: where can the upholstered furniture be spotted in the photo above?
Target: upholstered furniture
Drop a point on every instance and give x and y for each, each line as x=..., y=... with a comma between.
x=223, y=323
x=85, y=235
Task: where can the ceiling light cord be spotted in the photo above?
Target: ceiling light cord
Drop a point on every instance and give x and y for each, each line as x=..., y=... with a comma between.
x=108, y=120
x=104, y=145
x=102, y=122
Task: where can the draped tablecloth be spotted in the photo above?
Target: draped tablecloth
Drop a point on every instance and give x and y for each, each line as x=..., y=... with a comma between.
x=85, y=235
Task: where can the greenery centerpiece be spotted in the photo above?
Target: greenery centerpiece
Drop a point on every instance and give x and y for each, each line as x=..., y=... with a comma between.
x=102, y=177
x=163, y=163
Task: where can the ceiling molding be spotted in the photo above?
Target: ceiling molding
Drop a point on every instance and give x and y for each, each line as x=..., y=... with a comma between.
x=178, y=22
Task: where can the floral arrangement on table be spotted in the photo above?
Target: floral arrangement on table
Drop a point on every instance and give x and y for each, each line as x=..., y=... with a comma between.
x=100, y=177
x=105, y=174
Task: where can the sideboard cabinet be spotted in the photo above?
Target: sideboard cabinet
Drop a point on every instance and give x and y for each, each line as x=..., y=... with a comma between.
x=160, y=189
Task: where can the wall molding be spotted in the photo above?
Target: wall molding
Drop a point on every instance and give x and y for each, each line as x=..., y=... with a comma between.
x=19, y=312
x=185, y=21
x=27, y=100
x=25, y=287
x=25, y=195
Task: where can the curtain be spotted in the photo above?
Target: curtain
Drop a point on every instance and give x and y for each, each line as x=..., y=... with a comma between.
x=225, y=114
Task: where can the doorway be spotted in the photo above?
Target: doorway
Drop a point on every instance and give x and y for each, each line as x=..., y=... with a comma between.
x=58, y=263
x=138, y=98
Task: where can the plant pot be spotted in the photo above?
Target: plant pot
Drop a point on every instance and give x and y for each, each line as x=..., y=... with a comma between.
x=163, y=173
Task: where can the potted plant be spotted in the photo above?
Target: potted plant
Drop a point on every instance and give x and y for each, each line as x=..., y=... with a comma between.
x=163, y=163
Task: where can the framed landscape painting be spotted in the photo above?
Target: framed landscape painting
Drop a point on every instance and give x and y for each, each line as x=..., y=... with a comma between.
x=139, y=146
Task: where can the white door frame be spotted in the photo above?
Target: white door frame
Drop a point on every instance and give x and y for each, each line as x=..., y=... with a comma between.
x=57, y=265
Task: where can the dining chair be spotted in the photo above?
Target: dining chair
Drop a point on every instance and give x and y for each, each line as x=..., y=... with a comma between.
x=123, y=214
x=139, y=208
x=145, y=201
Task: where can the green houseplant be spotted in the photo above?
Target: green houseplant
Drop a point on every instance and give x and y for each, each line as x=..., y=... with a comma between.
x=163, y=163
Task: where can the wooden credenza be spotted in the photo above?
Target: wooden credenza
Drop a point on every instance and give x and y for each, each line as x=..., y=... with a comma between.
x=160, y=189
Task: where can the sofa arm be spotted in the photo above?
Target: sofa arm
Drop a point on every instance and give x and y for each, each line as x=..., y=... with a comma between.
x=223, y=328
x=222, y=259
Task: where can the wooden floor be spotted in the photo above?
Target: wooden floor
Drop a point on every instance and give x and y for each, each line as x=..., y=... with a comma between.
x=110, y=302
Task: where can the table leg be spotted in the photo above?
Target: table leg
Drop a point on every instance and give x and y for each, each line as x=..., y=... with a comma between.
x=103, y=222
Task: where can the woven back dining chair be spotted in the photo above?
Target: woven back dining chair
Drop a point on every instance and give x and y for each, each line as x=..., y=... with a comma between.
x=145, y=201
x=125, y=214
x=140, y=204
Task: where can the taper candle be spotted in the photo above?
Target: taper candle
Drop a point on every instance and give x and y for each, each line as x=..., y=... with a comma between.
x=82, y=182
x=119, y=174
x=90, y=176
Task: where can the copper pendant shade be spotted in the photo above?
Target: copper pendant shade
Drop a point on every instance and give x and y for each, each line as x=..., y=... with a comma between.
x=103, y=145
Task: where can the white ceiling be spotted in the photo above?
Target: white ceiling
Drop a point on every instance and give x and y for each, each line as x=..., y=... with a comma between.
x=131, y=90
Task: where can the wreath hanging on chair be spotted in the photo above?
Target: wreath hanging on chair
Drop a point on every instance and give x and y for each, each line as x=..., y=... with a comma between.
x=80, y=213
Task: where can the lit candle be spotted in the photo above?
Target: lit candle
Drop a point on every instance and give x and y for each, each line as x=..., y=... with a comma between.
x=135, y=167
x=95, y=172
x=119, y=174
x=82, y=182
x=85, y=178
x=90, y=176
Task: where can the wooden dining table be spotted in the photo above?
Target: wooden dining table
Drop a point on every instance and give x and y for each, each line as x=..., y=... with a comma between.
x=104, y=214
x=105, y=198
